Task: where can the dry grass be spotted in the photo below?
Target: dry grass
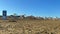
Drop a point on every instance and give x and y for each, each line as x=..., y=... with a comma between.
x=30, y=27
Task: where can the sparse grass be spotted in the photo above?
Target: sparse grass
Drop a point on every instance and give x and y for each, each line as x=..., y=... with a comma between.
x=30, y=27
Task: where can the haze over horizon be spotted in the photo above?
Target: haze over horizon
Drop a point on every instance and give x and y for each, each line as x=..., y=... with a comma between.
x=31, y=7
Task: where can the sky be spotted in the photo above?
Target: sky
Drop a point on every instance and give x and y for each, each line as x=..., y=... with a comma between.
x=31, y=7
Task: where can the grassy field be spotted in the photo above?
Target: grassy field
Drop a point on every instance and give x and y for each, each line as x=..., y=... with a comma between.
x=30, y=27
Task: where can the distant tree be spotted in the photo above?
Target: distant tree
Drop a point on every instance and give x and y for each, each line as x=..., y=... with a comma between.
x=46, y=18
x=14, y=14
x=31, y=17
x=41, y=18
x=22, y=16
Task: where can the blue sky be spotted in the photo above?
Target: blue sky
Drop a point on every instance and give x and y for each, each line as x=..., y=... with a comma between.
x=31, y=7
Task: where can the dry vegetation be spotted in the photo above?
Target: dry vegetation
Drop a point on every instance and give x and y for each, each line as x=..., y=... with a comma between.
x=29, y=26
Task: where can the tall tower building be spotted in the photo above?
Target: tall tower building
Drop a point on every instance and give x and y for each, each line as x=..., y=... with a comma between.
x=4, y=14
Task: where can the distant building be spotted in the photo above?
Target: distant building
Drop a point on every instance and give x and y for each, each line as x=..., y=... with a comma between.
x=4, y=13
